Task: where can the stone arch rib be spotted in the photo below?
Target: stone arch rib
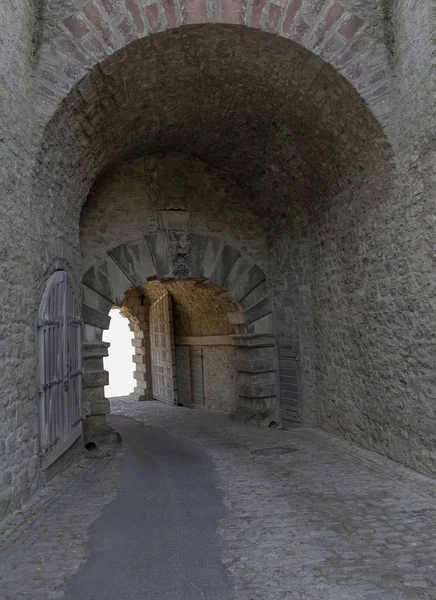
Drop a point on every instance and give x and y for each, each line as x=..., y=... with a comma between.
x=329, y=29
x=174, y=254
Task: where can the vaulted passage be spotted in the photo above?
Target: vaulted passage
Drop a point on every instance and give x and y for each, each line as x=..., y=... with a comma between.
x=237, y=164
x=184, y=348
x=225, y=156
x=251, y=185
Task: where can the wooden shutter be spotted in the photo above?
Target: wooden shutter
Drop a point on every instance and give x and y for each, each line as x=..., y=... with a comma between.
x=196, y=370
x=60, y=381
x=288, y=375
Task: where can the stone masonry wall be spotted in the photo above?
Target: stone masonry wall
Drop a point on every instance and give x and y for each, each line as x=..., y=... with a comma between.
x=126, y=202
x=220, y=377
x=19, y=244
x=125, y=205
x=364, y=317
x=374, y=268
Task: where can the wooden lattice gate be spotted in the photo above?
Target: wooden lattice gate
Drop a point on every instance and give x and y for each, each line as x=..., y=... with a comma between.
x=163, y=362
x=288, y=374
x=60, y=379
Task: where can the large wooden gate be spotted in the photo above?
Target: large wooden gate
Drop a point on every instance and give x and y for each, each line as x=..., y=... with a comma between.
x=163, y=367
x=60, y=375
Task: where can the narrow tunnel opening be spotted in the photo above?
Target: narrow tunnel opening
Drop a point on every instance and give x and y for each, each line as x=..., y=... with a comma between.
x=119, y=362
x=185, y=354
x=281, y=160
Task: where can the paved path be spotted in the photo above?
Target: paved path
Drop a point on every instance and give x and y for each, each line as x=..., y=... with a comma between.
x=328, y=521
x=158, y=539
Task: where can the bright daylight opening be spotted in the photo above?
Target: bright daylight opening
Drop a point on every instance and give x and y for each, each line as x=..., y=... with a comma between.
x=119, y=362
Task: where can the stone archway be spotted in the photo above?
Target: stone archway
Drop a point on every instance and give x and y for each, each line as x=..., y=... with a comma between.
x=294, y=134
x=342, y=34
x=176, y=253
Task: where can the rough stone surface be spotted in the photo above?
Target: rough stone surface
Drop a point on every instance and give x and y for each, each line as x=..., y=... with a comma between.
x=198, y=310
x=44, y=544
x=220, y=377
x=19, y=466
x=329, y=520
x=311, y=152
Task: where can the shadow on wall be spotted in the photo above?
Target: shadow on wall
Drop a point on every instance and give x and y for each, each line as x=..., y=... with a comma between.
x=119, y=363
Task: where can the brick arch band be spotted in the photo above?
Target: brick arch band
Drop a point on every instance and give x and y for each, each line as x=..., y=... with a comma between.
x=330, y=29
x=176, y=254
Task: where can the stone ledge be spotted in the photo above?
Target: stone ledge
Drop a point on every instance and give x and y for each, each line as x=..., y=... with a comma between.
x=100, y=407
x=206, y=340
x=95, y=350
x=95, y=379
x=261, y=340
x=92, y=316
x=255, y=365
x=253, y=390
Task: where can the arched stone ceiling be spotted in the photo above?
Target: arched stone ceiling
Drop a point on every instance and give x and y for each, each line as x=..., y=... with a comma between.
x=267, y=112
x=347, y=34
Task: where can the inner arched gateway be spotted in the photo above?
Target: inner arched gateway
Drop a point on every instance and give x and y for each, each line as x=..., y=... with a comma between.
x=233, y=158
x=202, y=322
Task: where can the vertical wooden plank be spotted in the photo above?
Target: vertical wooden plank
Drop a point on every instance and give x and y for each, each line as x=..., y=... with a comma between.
x=288, y=376
x=197, y=378
x=59, y=370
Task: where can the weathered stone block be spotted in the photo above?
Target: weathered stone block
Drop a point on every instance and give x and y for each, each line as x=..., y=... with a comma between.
x=95, y=379
x=254, y=340
x=159, y=249
x=255, y=365
x=99, y=350
x=254, y=390
x=224, y=264
x=136, y=260
x=259, y=310
x=94, y=317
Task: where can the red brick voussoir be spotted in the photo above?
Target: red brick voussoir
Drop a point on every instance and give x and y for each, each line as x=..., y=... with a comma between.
x=102, y=27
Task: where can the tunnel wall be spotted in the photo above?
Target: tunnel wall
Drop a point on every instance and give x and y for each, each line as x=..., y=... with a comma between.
x=44, y=216
x=20, y=251
x=126, y=204
x=373, y=273
x=220, y=390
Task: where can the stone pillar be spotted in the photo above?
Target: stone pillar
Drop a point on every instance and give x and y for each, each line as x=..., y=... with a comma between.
x=137, y=307
x=256, y=367
x=94, y=378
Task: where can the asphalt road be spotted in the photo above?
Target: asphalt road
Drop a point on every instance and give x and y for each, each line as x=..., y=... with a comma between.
x=157, y=540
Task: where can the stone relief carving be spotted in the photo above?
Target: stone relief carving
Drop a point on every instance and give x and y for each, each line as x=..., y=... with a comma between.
x=179, y=241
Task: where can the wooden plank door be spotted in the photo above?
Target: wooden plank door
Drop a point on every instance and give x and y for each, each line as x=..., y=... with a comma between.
x=60, y=375
x=288, y=375
x=163, y=367
x=196, y=372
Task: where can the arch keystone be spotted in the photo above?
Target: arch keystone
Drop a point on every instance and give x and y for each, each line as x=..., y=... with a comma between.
x=160, y=253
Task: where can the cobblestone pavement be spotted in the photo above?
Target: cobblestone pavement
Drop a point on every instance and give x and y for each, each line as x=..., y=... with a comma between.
x=44, y=544
x=328, y=521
